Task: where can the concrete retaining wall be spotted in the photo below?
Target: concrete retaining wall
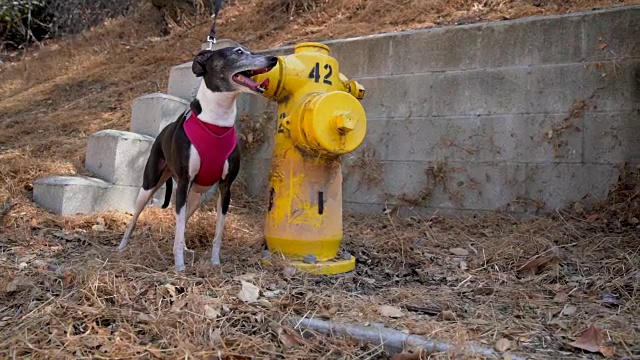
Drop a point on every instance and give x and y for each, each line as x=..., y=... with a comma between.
x=518, y=115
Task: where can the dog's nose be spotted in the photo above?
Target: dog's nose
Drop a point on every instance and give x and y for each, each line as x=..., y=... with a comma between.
x=272, y=60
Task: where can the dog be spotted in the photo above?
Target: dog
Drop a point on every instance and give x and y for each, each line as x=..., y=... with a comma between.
x=200, y=149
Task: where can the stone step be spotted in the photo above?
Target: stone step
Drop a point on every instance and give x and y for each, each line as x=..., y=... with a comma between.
x=71, y=195
x=152, y=112
x=118, y=157
x=182, y=82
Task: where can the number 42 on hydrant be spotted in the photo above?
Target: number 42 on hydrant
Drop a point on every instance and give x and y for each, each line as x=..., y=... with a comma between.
x=319, y=119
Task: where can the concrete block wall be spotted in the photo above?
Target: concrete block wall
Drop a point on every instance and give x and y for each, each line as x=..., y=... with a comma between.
x=529, y=114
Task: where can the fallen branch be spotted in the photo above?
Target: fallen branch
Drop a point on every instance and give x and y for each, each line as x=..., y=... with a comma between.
x=392, y=341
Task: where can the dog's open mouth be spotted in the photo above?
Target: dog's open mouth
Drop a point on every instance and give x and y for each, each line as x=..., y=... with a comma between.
x=244, y=78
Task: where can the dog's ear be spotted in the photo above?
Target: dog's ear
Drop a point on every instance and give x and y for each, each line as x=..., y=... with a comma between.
x=199, y=63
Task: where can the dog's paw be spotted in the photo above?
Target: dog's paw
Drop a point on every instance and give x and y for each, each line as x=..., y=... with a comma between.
x=215, y=262
x=121, y=248
x=180, y=267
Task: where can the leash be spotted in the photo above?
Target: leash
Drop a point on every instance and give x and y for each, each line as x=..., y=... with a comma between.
x=211, y=39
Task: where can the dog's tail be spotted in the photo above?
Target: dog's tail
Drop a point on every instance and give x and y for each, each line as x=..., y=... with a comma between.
x=167, y=193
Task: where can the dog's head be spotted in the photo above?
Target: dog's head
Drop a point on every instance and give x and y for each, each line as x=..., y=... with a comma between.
x=231, y=68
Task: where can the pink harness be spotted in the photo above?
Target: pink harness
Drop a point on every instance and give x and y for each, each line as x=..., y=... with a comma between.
x=214, y=144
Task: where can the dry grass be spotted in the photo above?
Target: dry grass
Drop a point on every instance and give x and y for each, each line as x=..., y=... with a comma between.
x=65, y=293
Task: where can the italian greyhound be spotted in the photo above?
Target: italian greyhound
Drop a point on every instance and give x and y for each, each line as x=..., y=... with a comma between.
x=200, y=149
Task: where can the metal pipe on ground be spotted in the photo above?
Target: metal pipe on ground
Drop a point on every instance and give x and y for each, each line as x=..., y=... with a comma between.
x=392, y=341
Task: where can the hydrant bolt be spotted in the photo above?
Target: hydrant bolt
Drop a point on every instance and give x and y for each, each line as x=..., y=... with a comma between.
x=309, y=259
x=344, y=122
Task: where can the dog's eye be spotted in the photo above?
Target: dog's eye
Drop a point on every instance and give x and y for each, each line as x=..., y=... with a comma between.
x=239, y=51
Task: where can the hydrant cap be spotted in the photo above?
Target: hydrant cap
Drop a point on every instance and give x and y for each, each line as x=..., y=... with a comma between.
x=335, y=122
x=312, y=47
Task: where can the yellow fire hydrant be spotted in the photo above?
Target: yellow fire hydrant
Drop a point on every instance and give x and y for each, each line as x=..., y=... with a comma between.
x=319, y=119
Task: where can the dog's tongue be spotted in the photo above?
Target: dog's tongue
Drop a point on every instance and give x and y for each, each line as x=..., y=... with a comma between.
x=243, y=80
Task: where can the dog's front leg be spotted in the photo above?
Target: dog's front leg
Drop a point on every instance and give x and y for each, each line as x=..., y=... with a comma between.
x=223, y=206
x=181, y=222
x=217, y=240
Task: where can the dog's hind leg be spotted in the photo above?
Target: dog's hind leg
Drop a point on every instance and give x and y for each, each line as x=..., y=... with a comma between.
x=155, y=175
x=141, y=202
x=193, y=202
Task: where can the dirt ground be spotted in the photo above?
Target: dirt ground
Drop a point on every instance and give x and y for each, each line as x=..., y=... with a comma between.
x=535, y=284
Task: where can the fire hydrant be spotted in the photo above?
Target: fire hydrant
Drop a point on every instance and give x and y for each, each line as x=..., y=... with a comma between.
x=319, y=119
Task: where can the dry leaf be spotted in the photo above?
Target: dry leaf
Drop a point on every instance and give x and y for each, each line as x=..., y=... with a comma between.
x=171, y=289
x=447, y=315
x=289, y=341
x=390, y=311
x=459, y=252
x=245, y=277
x=289, y=271
x=91, y=342
x=463, y=265
x=12, y=286
x=560, y=297
x=562, y=324
x=568, y=310
x=216, y=338
x=249, y=292
x=264, y=303
x=406, y=356
x=67, y=278
x=287, y=337
x=590, y=340
x=211, y=312
x=503, y=345
x=535, y=264
x=608, y=351
x=271, y=294
x=578, y=208
x=178, y=305
x=601, y=46
x=144, y=317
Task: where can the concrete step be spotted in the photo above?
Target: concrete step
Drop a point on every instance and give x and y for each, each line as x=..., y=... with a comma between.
x=182, y=82
x=152, y=112
x=70, y=195
x=118, y=157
